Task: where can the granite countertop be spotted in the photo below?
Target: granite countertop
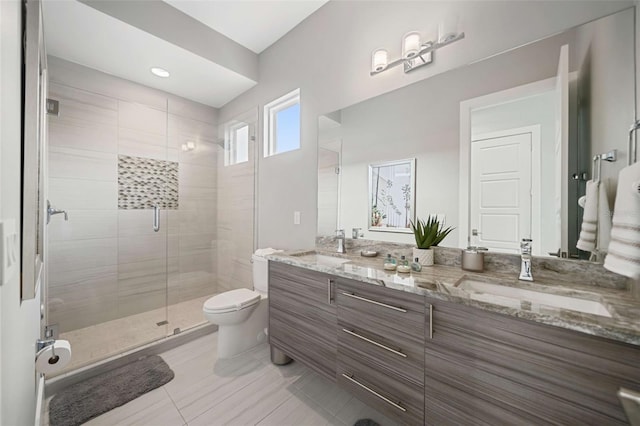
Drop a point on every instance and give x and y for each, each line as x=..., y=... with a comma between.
x=453, y=284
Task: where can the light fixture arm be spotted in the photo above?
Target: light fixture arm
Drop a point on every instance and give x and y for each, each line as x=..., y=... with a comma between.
x=427, y=48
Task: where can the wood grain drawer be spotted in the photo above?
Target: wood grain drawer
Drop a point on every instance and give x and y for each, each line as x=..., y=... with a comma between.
x=302, y=317
x=312, y=286
x=541, y=374
x=309, y=342
x=378, y=309
x=401, y=400
x=391, y=354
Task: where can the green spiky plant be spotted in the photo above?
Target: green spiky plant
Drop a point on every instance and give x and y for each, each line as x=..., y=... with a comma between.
x=430, y=232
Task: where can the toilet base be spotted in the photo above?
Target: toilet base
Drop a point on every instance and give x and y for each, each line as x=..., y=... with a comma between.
x=234, y=339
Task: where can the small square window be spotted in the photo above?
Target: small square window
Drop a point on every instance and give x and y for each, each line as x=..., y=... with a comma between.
x=236, y=143
x=282, y=124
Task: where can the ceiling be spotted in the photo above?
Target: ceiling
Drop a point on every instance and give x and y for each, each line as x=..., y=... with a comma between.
x=84, y=35
x=255, y=24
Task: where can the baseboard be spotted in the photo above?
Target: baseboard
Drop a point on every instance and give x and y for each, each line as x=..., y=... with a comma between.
x=54, y=385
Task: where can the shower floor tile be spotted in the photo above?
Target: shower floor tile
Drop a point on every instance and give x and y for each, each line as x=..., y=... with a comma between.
x=100, y=341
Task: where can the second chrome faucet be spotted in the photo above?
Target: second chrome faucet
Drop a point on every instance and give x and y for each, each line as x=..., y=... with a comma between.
x=525, y=260
x=342, y=248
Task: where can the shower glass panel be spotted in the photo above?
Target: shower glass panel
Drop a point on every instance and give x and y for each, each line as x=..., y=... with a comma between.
x=110, y=167
x=236, y=180
x=211, y=233
x=192, y=230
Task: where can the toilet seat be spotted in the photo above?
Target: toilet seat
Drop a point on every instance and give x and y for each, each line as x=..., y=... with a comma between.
x=231, y=301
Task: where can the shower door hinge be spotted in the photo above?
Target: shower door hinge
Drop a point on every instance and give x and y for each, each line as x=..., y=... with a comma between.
x=52, y=331
x=53, y=107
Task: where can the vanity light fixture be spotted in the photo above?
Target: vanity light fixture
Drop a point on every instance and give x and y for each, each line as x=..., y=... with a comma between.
x=189, y=146
x=414, y=52
x=160, y=72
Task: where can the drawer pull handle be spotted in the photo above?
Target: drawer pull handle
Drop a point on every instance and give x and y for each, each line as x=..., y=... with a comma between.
x=380, y=345
x=385, y=399
x=430, y=321
x=329, y=298
x=364, y=299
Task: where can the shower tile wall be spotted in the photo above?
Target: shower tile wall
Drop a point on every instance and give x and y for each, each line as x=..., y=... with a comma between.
x=106, y=263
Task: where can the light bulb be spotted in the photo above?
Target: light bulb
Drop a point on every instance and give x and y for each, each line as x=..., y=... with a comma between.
x=160, y=72
x=447, y=29
x=379, y=60
x=410, y=44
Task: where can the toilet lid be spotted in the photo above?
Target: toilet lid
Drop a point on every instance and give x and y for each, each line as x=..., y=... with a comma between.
x=232, y=300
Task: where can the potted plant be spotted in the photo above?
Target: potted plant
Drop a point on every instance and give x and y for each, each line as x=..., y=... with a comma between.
x=428, y=233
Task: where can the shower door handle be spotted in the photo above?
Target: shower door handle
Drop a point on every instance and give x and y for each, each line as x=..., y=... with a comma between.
x=156, y=218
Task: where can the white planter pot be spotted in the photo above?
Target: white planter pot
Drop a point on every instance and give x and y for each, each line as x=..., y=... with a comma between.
x=425, y=256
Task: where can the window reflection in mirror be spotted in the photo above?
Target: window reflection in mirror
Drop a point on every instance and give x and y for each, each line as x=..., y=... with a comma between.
x=391, y=195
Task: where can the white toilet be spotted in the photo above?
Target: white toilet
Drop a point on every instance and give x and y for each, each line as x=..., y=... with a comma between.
x=242, y=314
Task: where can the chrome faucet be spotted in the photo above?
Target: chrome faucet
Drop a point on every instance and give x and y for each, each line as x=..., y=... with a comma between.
x=525, y=256
x=52, y=210
x=341, y=241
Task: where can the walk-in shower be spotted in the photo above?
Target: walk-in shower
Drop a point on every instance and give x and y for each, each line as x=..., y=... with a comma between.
x=157, y=220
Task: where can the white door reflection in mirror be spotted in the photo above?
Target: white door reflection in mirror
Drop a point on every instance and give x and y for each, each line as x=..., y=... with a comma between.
x=528, y=109
x=501, y=177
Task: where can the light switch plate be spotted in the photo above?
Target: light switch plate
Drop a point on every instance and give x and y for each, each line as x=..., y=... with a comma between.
x=296, y=218
x=8, y=250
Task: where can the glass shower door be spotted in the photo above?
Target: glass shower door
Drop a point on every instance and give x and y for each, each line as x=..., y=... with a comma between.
x=108, y=163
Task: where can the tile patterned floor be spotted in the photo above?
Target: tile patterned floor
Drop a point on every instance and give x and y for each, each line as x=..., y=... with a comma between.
x=245, y=390
x=97, y=342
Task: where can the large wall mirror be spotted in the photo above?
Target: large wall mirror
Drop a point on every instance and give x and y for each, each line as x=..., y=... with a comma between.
x=502, y=147
x=33, y=151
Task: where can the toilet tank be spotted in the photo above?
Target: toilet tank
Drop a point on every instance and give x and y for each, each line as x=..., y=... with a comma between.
x=260, y=274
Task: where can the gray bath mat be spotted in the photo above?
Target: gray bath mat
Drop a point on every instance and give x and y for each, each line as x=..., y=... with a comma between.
x=88, y=399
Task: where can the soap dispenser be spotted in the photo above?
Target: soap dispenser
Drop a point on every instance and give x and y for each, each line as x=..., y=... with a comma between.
x=415, y=265
x=403, y=265
x=473, y=256
x=390, y=263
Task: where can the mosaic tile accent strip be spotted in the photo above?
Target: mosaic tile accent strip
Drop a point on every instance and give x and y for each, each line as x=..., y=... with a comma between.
x=145, y=182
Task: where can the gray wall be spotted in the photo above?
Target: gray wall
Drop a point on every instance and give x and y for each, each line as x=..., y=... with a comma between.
x=611, y=105
x=332, y=71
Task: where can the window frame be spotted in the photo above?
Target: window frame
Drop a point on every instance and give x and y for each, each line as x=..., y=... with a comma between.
x=271, y=110
x=231, y=142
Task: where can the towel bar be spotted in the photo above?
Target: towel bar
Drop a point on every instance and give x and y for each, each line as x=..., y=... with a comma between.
x=633, y=143
x=610, y=157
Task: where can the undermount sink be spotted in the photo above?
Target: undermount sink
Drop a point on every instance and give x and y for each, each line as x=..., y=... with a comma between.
x=513, y=297
x=323, y=260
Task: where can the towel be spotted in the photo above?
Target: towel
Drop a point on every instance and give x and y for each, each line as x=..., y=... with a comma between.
x=624, y=251
x=266, y=251
x=596, y=221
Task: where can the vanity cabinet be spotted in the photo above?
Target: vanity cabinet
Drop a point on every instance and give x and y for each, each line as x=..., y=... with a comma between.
x=302, y=316
x=487, y=368
x=381, y=335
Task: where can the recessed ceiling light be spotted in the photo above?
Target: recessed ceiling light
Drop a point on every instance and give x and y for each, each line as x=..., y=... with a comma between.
x=160, y=72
